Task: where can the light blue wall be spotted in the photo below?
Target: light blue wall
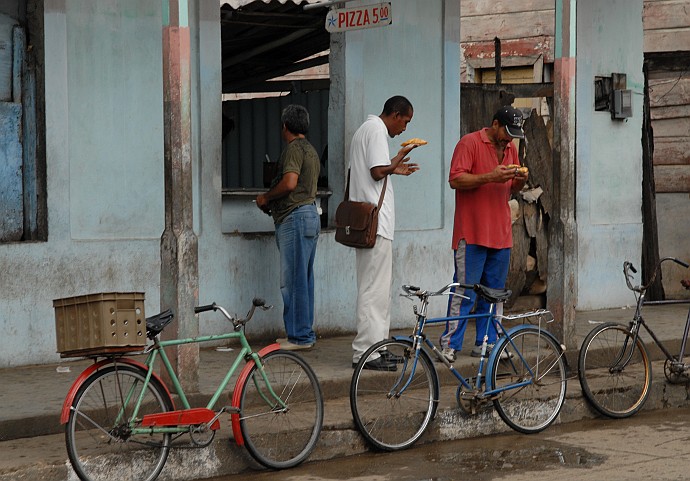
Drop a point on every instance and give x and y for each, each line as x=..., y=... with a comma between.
x=235, y=267
x=608, y=153
x=104, y=156
x=104, y=144
x=416, y=56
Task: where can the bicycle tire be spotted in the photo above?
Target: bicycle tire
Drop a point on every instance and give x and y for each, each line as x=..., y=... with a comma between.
x=534, y=406
x=93, y=434
x=394, y=422
x=278, y=438
x=614, y=390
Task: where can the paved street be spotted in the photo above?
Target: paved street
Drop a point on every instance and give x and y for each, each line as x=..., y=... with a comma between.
x=32, y=445
x=652, y=445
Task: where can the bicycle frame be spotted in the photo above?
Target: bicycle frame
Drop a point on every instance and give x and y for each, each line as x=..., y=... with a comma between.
x=419, y=337
x=634, y=328
x=197, y=417
x=638, y=320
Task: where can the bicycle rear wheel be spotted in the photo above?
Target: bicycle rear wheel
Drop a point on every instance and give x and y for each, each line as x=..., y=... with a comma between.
x=392, y=409
x=533, y=361
x=615, y=372
x=98, y=435
x=281, y=438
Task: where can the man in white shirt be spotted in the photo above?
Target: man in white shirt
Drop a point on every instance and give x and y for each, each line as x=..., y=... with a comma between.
x=370, y=164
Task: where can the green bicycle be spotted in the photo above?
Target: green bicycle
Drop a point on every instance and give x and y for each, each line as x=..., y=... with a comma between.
x=121, y=420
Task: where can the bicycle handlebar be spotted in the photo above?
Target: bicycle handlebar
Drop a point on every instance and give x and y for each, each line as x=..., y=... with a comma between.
x=210, y=307
x=628, y=266
x=411, y=290
x=256, y=302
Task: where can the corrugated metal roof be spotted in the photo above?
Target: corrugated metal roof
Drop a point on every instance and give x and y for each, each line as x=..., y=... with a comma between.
x=241, y=3
x=263, y=40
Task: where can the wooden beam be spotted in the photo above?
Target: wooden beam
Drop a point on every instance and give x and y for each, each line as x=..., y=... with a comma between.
x=234, y=87
x=265, y=47
x=671, y=151
x=668, y=60
x=518, y=90
x=672, y=178
x=285, y=86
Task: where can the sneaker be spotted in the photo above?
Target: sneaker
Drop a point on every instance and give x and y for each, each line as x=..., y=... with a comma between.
x=291, y=346
x=477, y=352
x=449, y=354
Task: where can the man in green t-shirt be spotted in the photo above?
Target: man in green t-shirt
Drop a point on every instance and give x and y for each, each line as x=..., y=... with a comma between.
x=291, y=202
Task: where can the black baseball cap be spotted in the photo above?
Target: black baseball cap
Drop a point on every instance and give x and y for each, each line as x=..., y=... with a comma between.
x=511, y=118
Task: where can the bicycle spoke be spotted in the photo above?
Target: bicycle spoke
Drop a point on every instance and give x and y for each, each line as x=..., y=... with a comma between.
x=615, y=372
x=91, y=433
x=392, y=409
x=533, y=406
x=280, y=437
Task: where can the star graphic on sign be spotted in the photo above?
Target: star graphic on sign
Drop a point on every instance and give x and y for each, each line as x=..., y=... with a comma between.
x=331, y=21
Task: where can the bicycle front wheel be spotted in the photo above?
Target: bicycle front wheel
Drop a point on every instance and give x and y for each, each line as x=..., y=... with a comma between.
x=530, y=367
x=100, y=444
x=392, y=409
x=615, y=372
x=281, y=437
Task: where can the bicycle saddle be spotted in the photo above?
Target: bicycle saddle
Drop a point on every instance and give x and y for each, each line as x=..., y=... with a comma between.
x=155, y=324
x=493, y=295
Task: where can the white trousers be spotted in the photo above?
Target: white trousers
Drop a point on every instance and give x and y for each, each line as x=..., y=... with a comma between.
x=374, y=276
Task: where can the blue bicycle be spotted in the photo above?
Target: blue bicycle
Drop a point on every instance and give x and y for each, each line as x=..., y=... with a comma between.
x=525, y=375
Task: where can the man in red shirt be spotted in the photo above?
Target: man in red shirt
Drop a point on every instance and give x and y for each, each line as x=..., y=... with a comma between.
x=483, y=173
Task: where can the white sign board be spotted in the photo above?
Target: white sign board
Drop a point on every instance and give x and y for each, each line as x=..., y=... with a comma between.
x=369, y=16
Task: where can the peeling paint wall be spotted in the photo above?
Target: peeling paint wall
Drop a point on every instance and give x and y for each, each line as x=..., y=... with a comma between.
x=104, y=144
x=104, y=147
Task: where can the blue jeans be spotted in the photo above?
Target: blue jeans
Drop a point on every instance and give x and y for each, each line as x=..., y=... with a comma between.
x=296, y=238
x=474, y=264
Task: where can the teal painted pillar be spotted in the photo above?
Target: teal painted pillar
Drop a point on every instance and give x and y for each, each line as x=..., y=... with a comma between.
x=179, y=245
x=562, y=285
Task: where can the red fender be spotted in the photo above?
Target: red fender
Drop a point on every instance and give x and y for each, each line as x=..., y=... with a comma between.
x=90, y=370
x=236, y=431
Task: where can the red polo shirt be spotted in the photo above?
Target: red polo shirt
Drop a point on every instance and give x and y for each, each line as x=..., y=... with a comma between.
x=482, y=215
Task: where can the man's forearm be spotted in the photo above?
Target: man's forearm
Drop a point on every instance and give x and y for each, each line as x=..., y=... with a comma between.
x=470, y=181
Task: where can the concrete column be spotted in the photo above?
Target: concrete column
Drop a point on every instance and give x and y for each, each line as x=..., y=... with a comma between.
x=179, y=246
x=562, y=286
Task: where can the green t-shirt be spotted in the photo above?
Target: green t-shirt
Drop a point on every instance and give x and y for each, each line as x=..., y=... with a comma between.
x=298, y=156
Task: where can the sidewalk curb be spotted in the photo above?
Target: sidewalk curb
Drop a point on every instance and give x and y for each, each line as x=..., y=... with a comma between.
x=339, y=437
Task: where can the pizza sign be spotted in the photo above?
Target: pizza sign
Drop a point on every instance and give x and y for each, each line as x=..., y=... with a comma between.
x=369, y=16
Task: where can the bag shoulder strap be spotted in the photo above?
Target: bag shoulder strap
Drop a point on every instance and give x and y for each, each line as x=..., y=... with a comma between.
x=383, y=191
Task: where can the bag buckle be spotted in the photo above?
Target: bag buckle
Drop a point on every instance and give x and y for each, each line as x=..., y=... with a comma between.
x=347, y=230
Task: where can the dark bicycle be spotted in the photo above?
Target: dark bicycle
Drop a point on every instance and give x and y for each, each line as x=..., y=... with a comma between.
x=615, y=370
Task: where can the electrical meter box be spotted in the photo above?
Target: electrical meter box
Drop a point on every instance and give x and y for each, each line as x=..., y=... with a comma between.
x=622, y=104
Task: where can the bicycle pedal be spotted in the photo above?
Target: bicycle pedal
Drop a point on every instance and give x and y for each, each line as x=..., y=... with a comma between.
x=230, y=410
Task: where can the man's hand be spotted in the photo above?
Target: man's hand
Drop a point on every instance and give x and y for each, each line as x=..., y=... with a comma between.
x=262, y=203
x=402, y=166
x=521, y=174
x=500, y=175
x=399, y=165
x=503, y=174
x=405, y=168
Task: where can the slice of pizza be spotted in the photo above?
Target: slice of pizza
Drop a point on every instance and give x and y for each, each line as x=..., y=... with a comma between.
x=414, y=141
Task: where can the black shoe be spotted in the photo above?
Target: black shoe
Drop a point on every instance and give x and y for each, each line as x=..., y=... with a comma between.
x=392, y=358
x=379, y=364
